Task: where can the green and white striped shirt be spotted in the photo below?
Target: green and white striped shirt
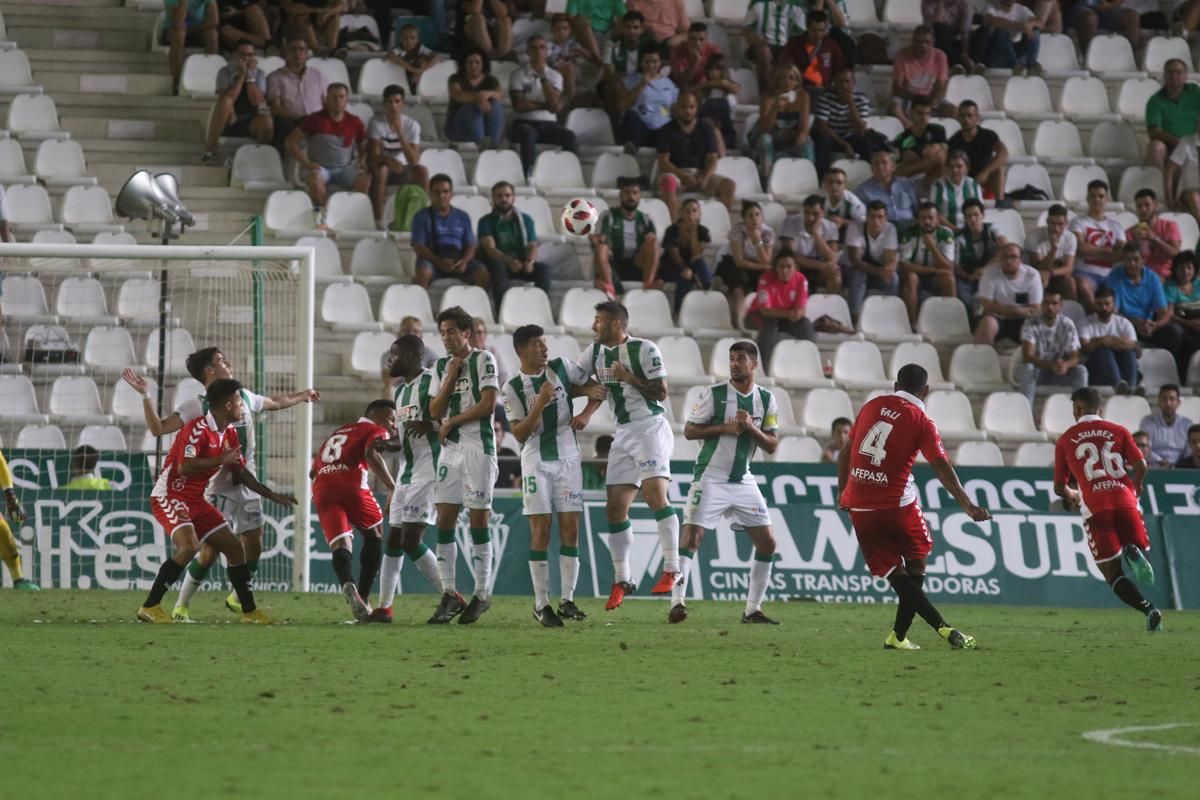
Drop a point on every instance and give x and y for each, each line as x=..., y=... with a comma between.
x=949, y=198
x=912, y=245
x=643, y=359
x=420, y=452
x=477, y=373
x=552, y=439
x=775, y=20
x=726, y=459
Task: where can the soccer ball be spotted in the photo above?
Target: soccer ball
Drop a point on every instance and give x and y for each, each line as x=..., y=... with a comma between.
x=579, y=217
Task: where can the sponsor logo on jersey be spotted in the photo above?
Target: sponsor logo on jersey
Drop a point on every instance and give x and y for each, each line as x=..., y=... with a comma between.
x=189, y=451
x=868, y=475
x=329, y=469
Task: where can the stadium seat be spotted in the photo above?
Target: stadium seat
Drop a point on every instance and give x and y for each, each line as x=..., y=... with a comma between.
x=75, y=400
x=527, y=305
x=15, y=74
x=1111, y=54
x=1189, y=231
x=543, y=221
x=328, y=259
x=774, y=214
x=1058, y=142
x=970, y=87
x=365, y=113
x=1074, y=190
x=1022, y=175
x=1189, y=406
x=793, y=178
x=498, y=165
x=12, y=163
x=798, y=450
x=823, y=406
x=1127, y=411
x=503, y=70
x=1075, y=312
x=1193, y=376
x=1028, y=97
x=127, y=402
x=117, y=268
x=1010, y=135
x=379, y=261
x=366, y=354
x=1135, y=178
x=857, y=365
x=88, y=210
x=796, y=364
x=81, y=300
x=944, y=320
x=923, y=354
x=747, y=79
x=1084, y=97
x=187, y=388
x=564, y=261
x=602, y=423
x=334, y=69
x=744, y=173
x=402, y=300
x=706, y=314
x=28, y=209
x=54, y=264
x=657, y=211
x=886, y=126
x=1057, y=55
x=19, y=402
x=978, y=454
x=1135, y=93
x=347, y=308
x=904, y=13
x=105, y=438
x=1157, y=367
x=1057, y=415
x=289, y=213
x=1161, y=49
x=833, y=306
x=1008, y=223
x=857, y=171
x=448, y=162
x=862, y=14
x=788, y=426
x=714, y=216
x=472, y=299
x=977, y=367
x=180, y=345
x=351, y=216
x=681, y=354
x=378, y=73
x=593, y=130
x=476, y=206
x=885, y=319
x=267, y=64
x=565, y=346
x=557, y=172
x=199, y=77
x=41, y=437
x=650, y=313
x=137, y=302
x=1035, y=454
x=577, y=310
x=1007, y=417
x=258, y=167
x=22, y=297
x=60, y=162
x=1115, y=143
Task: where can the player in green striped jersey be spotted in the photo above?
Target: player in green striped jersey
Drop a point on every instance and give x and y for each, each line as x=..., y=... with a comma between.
x=732, y=419
x=464, y=400
x=633, y=373
x=411, y=508
x=537, y=402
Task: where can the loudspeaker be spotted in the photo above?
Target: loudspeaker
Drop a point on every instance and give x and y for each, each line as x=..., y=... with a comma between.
x=169, y=186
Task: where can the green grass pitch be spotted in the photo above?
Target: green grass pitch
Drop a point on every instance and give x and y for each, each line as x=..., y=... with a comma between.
x=620, y=706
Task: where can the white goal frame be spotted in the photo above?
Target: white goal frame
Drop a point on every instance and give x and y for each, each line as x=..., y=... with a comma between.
x=305, y=257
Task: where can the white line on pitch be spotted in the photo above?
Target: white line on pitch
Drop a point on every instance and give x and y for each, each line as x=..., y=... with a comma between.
x=1114, y=736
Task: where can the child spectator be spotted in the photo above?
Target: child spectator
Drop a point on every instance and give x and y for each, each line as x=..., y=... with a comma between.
x=415, y=57
x=839, y=435
x=715, y=92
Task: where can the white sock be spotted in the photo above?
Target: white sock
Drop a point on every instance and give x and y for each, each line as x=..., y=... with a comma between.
x=389, y=579
x=668, y=537
x=191, y=585
x=760, y=579
x=447, y=560
x=482, y=554
x=620, y=539
x=568, y=573
x=427, y=563
x=679, y=590
x=539, y=571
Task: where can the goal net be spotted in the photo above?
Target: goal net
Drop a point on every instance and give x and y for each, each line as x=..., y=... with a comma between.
x=75, y=317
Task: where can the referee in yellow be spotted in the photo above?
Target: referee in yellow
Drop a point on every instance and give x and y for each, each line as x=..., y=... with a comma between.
x=10, y=553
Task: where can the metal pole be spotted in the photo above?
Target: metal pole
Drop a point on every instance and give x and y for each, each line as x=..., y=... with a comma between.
x=304, y=373
x=164, y=307
x=260, y=358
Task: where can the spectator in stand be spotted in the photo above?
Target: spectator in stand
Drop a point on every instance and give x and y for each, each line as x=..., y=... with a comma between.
x=682, y=260
x=1142, y=440
x=872, y=258
x=1009, y=293
x=841, y=122
x=1183, y=173
x=644, y=101
x=1051, y=250
x=564, y=50
x=978, y=247
x=622, y=57
x=443, y=239
x=1009, y=38
x=393, y=150
x=241, y=108
x=715, y=92
x=814, y=241
x=331, y=148
x=6, y=234
x=839, y=436
x=816, y=54
x=314, y=21
x=1183, y=293
x=1158, y=237
x=1049, y=350
x=414, y=57
x=745, y=256
x=1167, y=429
x=1087, y=17
x=780, y=305
x=478, y=340
x=85, y=476
x=294, y=91
x=1100, y=240
x=921, y=145
x=1109, y=344
x=509, y=243
x=897, y=194
x=783, y=121
x=243, y=19
x=1192, y=459
x=625, y=244
x=841, y=206
x=594, y=21
x=666, y=21
x=537, y=97
x=1143, y=301
x=1171, y=115
x=1049, y=13
x=485, y=25
x=926, y=260
x=987, y=154
x=689, y=58
x=595, y=472
x=950, y=21
x=475, y=113
x=687, y=157
x=188, y=23
x=768, y=26
x=951, y=193
x=920, y=70
x=838, y=15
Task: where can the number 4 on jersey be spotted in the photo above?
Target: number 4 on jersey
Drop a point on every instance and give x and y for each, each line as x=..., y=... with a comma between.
x=874, y=444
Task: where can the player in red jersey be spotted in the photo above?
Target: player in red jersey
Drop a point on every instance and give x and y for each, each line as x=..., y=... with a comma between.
x=203, y=447
x=345, y=503
x=876, y=486
x=1108, y=466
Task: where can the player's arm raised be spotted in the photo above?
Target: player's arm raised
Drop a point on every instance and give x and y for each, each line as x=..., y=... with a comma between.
x=278, y=402
x=157, y=426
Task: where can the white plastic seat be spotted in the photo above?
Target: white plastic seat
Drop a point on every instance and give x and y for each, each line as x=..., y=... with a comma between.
x=747, y=79
x=527, y=305
x=60, y=162
x=1189, y=405
x=1136, y=178
x=561, y=345
x=1157, y=367
x=1084, y=97
x=823, y=406
x=477, y=206
x=1115, y=142
x=12, y=163
x=498, y=165
x=19, y=402
x=28, y=209
x=577, y=311
x=681, y=354
x=1109, y=54
x=788, y=426
x=350, y=214
x=862, y=14
x=472, y=299
x=15, y=75
x=796, y=364
x=1058, y=142
x=1161, y=49
x=347, y=307
x=557, y=172
x=744, y=173
x=88, y=209
x=137, y=301
x=199, y=77
x=978, y=454
x=977, y=367
x=603, y=422
x=1075, y=182
x=447, y=162
x=402, y=300
x=1007, y=416
x=23, y=297
x=1027, y=96
x=889, y=127
x=611, y=166
x=714, y=216
x=55, y=264
x=334, y=69
x=1127, y=411
x=366, y=353
x=859, y=365
x=328, y=258
x=833, y=306
x=1189, y=231
x=1134, y=94
x=1008, y=223
x=104, y=438
x=41, y=437
x=75, y=400
x=905, y=13
x=82, y=299
x=1056, y=54
x=922, y=354
x=1020, y=175
x=705, y=314
x=1010, y=136
x=592, y=127
x=970, y=87
x=650, y=313
x=1057, y=415
x=543, y=220
x=1035, y=454
x=857, y=171
x=258, y=167
x=379, y=261
x=127, y=402
x=798, y=450
x=179, y=345
x=885, y=319
x=365, y=113
x=658, y=213
x=793, y=178
x=718, y=359
x=378, y=73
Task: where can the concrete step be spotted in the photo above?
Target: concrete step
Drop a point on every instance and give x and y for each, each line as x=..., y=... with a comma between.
x=80, y=58
x=53, y=6
x=112, y=175
x=136, y=39
x=134, y=129
x=70, y=78
x=113, y=150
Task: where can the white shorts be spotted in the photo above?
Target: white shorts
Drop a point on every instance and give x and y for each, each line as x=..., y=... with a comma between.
x=709, y=502
x=549, y=486
x=242, y=513
x=640, y=451
x=412, y=503
x=465, y=477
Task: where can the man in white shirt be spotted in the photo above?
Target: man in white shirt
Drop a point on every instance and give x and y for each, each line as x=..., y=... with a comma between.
x=872, y=264
x=1109, y=344
x=814, y=240
x=1009, y=38
x=1009, y=293
x=1051, y=251
x=537, y=97
x=841, y=205
x=393, y=150
x=1183, y=171
x=1100, y=239
x=1050, y=350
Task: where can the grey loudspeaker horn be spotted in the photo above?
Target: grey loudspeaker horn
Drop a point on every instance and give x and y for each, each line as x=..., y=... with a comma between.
x=169, y=186
x=141, y=198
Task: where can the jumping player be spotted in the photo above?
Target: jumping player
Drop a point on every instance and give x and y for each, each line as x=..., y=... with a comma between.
x=732, y=419
x=241, y=508
x=344, y=501
x=411, y=508
x=464, y=402
x=1104, y=461
x=10, y=551
x=876, y=486
x=205, y=445
x=537, y=402
x=635, y=377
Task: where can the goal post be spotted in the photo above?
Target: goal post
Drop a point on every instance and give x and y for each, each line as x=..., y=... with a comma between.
x=73, y=313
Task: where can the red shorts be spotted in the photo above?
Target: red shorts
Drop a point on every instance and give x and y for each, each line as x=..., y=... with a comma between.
x=173, y=513
x=341, y=510
x=1109, y=531
x=890, y=536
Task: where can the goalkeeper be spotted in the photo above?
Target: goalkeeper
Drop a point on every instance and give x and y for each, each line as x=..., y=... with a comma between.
x=10, y=552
